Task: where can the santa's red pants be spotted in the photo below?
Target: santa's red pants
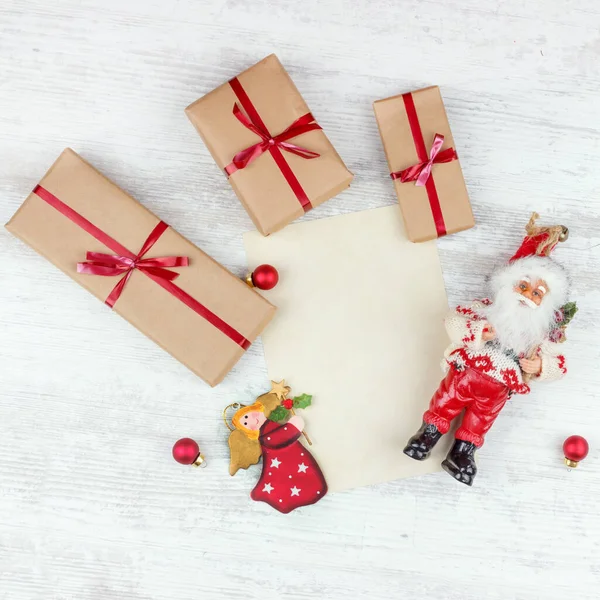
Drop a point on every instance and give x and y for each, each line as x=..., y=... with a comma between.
x=480, y=395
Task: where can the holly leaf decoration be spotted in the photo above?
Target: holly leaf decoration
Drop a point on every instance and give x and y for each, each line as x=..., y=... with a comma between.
x=279, y=414
x=302, y=401
x=568, y=311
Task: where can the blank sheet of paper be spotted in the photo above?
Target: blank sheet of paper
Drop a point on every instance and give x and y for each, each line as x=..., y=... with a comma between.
x=360, y=327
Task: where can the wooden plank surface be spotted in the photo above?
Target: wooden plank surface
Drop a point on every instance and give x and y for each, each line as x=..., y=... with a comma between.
x=92, y=506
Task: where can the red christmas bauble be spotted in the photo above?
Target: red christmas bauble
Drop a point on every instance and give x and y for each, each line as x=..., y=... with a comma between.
x=186, y=451
x=265, y=277
x=575, y=449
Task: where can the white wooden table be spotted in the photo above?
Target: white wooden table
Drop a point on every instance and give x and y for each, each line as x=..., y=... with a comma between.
x=92, y=506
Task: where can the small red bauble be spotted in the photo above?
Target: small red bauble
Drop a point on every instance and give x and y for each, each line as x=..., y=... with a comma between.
x=288, y=403
x=265, y=277
x=187, y=452
x=575, y=449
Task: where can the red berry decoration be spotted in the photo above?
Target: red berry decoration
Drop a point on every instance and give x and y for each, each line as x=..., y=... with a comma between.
x=265, y=277
x=575, y=449
x=288, y=403
x=187, y=452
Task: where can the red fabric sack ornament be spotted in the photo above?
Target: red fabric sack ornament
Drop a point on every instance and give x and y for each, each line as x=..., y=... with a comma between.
x=270, y=429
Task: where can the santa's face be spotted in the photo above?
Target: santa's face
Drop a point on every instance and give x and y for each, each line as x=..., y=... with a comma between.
x=526, y=295
x=522, y=313
x=253, y=420
x=532, y=292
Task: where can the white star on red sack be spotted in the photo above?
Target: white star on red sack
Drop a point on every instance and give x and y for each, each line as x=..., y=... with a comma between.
x=302, y=468
x=268, y=488
x=295, y=491
x=275, y=463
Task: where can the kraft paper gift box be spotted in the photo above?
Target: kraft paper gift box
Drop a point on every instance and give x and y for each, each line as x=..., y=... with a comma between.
x=147, y=272
x=424, y=164
x=260, y=132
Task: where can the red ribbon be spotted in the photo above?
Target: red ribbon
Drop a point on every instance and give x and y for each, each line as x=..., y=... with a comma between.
x=425, y=164
x=422, y=171
x=272, y=144
x=299, y=126
x=125, y=262
x=109, y=265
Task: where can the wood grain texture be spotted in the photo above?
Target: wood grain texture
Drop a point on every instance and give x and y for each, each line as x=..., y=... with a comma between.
x=92, y=506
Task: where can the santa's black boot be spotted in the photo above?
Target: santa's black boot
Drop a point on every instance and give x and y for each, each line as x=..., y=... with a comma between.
x=422, y=443
x=460, y=462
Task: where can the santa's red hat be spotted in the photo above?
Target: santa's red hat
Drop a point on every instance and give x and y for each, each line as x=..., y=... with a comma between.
x=540, y=241
x=532, y=260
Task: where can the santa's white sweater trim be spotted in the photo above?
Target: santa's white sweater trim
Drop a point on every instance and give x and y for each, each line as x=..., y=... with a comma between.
x=465, y=327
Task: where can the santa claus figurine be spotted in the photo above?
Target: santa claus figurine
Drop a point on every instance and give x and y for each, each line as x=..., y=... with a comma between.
x=497, y=348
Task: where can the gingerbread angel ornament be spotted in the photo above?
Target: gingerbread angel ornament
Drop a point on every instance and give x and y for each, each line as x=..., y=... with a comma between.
x=269, y=428
x=498, y=348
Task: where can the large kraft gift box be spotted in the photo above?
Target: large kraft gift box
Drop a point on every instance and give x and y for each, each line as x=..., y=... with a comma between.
x=260, y=132
x=424, y=164
x=205, y=317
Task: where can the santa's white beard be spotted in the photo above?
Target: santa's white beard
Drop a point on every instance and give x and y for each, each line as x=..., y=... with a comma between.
x=518, y=326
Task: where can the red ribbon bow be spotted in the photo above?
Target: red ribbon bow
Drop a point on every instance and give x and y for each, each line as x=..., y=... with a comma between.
x=301, y=125
x=422, y=171
x=109, y=265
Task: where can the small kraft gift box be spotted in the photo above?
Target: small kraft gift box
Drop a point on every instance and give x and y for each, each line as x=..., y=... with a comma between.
x=143, y=269
x=261, y=133
x=424, y=164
